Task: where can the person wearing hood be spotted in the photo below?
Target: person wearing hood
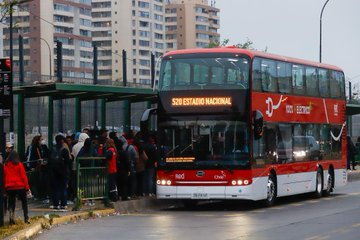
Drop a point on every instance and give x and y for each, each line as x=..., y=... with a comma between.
x=132, y=158
x=75, y=151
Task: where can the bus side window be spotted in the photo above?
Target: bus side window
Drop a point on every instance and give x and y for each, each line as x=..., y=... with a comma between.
x=298, y=79
x=325, y=141
x=312, y=85
x=324, y=83
x=284, y=77
x=256, y=75
x=335, y=85
x=268, y=76
x=341, y=79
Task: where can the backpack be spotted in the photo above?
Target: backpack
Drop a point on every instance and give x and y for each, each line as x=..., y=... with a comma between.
x=56, y=161
x=122, y=159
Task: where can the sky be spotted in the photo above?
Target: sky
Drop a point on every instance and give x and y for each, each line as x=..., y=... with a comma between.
x=292, y=28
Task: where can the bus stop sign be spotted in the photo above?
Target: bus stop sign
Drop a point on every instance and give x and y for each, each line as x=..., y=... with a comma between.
x=6, y=95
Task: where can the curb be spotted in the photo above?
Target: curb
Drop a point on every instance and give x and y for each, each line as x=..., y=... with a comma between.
x=145, y=204
x=35, y=228
x=353, y=176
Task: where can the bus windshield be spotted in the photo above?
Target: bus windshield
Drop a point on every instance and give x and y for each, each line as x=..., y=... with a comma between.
x=204, y=73
x=204, y=143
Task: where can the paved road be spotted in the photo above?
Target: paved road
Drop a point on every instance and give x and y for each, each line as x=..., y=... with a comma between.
x=300, y=217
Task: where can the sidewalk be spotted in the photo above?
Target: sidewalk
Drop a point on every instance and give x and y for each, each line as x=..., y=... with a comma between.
x=354, y=175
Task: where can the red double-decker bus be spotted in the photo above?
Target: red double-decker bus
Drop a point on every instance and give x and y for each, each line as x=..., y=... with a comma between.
x=240, y=124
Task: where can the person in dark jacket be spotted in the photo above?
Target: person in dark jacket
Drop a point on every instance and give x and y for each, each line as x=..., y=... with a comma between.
x=16, y=184
x=59, y=164
x=350, y=153
x=152, y=153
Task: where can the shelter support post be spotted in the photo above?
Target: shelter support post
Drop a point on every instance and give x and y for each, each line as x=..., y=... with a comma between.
x=103, y=113
x=50, y=121
x=127, y=115
x=21, y=126
x=77, y=115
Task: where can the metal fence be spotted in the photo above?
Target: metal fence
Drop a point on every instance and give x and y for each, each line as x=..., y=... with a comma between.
x=92, y=178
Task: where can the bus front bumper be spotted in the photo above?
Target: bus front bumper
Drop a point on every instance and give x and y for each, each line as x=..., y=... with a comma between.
x=206, y=192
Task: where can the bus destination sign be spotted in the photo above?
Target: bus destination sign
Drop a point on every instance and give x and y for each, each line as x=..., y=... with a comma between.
x=6, y=96
x=200, y=101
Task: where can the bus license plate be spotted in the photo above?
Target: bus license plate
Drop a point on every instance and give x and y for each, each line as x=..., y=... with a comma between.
x=200, y=196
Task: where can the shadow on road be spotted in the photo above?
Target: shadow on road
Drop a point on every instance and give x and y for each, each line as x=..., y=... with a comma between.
x=246, y=205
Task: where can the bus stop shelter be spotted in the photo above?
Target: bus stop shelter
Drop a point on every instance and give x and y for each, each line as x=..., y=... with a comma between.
x=351, y=109
x=79, y=92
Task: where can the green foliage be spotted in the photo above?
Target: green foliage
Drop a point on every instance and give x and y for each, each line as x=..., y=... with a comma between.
x=248, y=44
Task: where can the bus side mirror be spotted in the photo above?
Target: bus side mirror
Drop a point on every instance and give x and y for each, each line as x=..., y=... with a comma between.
x=258, y=121
x=146, y=120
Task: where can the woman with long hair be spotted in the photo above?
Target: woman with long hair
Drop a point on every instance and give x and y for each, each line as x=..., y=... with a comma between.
x=16, y=184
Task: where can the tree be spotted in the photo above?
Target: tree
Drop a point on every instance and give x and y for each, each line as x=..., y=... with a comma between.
x=248, y=44
x=6, y=6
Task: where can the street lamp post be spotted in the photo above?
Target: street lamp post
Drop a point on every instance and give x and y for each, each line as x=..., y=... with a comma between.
x=49, y=54
x=11, y=6
x=322, y=10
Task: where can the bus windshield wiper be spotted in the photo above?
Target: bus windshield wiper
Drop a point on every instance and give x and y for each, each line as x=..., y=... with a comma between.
x=224, y=167
x=172, y=150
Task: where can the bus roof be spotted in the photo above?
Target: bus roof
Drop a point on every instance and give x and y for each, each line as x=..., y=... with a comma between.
x=252, y=54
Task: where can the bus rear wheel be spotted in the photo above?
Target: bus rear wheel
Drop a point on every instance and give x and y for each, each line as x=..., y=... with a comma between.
x=271, y=191
x=319, y=184
x=329, y=187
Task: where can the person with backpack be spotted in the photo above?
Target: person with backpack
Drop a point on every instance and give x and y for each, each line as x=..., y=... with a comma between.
x=127, y=159
x=16, y=184
x=59, y=164
x=111, y=155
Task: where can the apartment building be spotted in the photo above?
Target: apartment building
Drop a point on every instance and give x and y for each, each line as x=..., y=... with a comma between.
x=134, y=26
x=191, y=24
x=42, y=23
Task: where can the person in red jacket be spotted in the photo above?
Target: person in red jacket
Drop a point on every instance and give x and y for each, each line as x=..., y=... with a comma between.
x=16, y=184
x=111, y=157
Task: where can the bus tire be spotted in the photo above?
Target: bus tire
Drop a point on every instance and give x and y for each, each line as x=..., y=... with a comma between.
x=271, y=191
x=319, y=184
x=330, y=184
x=189, y=204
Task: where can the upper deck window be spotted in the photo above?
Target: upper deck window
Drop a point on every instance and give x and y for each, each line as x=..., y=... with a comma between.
x=204, y=73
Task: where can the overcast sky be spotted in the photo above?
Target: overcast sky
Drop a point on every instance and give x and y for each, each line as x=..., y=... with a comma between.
x=292, y=28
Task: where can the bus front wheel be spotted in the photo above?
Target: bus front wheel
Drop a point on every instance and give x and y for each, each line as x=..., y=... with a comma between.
x=271, y=191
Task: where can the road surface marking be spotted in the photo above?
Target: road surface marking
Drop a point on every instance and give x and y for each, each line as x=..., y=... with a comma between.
x=297, y=204
x=314, y=201
x=277, y=207
x=356, y=225
x=328, y=199
x=258, y=211
x=234, y=215
x=342, y=196
x=313, y=238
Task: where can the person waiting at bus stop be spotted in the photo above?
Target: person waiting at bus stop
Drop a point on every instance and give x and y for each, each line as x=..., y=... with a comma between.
x=111, y=154
x=16, y=184
x=59, y=164
x=350, y=153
